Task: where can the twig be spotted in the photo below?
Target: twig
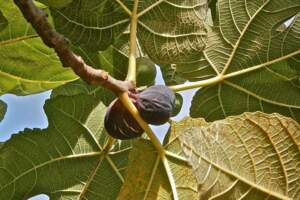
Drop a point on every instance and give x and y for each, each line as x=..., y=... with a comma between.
x=38, y=19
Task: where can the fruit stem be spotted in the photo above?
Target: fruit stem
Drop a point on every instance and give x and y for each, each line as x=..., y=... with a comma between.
x=160, y=149
x=131, y=74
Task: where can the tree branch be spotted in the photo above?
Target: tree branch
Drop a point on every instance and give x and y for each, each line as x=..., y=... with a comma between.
x=38, y=19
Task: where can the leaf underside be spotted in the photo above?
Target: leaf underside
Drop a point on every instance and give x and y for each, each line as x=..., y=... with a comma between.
x=69, y=150
x=146, y=178
x=251, y=156
x=259, y=62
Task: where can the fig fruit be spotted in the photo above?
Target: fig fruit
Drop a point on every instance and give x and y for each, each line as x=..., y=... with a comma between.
x=146, y=71
x=119, y=123
x=178, y=104
x=156, y=104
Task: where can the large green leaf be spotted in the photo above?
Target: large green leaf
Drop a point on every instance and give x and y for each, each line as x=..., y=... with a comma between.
x=146, y=178
x=3, y=108
x=173, y=31
x=168, y=32
x=196, y=70
x=251, y=156
x=91, y=24
x=271, y=93
x=27, y=65
x=64, y=161
x=255, y=60
x=70, y=150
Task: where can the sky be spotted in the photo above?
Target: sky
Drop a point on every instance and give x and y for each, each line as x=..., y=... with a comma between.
x=23, y=112
x=27, y=112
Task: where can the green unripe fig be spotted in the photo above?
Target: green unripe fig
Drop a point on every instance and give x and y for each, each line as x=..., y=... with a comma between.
x=178, y=104
x=146, y=71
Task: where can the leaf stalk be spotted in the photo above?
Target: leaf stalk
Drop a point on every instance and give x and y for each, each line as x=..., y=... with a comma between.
x=198, y=84
x=220, y=78
x=131, y=74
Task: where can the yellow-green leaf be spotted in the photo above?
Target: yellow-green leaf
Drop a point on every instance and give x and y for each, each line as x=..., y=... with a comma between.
x=251, y=156
x=146, y=178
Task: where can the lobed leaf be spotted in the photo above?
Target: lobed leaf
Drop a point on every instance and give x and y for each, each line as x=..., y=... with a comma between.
x=27, y=65
x=64, y=161
x=199, y=69
x=251, y=156
x=172, y=32
x=257, y=61
x=70, y=149
x=90, y=24
x=167, y=37
x=269, y=93
x=146, y=178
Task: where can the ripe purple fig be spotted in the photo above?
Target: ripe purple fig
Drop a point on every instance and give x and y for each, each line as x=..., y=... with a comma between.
x=119, y=123
x=156, y=104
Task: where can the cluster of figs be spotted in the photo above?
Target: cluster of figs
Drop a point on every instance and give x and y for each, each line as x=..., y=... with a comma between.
x=156, y=105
